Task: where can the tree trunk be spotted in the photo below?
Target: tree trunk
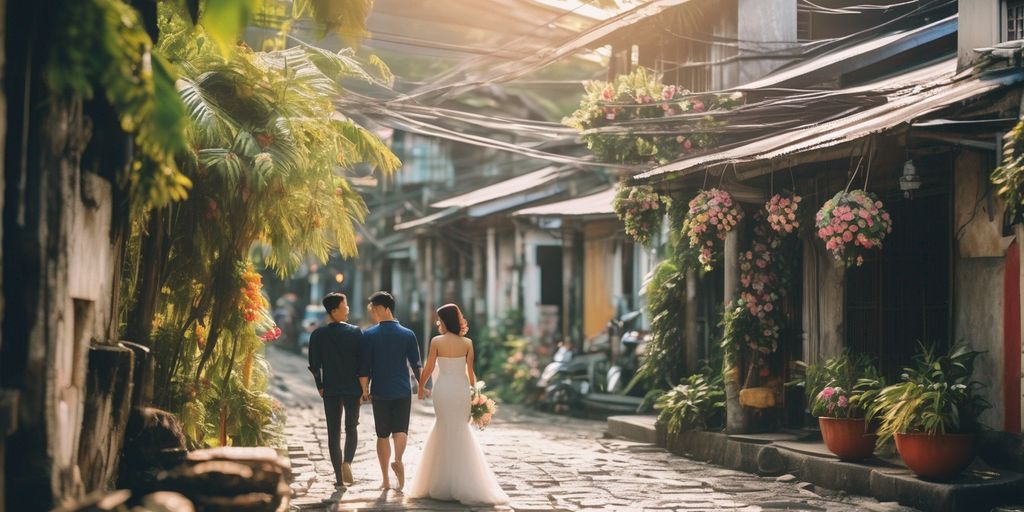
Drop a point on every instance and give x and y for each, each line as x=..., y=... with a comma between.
x=139, y=323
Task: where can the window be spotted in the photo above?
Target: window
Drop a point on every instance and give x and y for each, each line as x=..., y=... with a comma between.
x=1014, y=20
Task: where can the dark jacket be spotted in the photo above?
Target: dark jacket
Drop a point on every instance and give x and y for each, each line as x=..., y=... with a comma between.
x=389, y=352
x=336, y=357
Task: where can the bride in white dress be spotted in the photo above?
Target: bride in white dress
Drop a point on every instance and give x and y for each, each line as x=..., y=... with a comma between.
x=452, y=466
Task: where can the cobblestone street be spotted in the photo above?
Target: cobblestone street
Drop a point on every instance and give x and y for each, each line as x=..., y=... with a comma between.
x=544, y=462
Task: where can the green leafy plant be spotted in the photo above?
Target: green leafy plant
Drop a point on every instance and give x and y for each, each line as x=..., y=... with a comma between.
x=849, y=385
x=936, y=396
x=699, y=402
x=664, y=360
x=1009, y=176
x=267, y=154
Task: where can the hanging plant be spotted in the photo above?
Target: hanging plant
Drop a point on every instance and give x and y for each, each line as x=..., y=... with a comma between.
x=711, y=216
x=852, y=223
x=638, y=96
x=783, y=214
x=753, y=324
x=641, y=209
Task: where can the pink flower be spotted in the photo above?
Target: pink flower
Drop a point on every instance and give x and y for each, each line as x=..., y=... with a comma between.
x=847, y=236
x=843, y=401
x=828, y=392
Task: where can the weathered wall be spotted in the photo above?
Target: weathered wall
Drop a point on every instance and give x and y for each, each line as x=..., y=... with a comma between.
x=58, y=271
x=599, y=248
x=978, y=319
x=762, y=26
x=824, y=296
x=537, y=318
x=979, y=268
x=978, y=209
x=979, y=25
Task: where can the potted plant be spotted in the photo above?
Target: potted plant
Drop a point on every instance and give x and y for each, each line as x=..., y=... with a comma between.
x=933, y=413
x=851, y=384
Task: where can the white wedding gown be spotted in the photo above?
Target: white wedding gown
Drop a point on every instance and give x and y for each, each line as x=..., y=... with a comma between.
x=452, y=466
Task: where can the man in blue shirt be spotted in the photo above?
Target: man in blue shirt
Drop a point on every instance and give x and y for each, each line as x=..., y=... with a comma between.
x=390, y=353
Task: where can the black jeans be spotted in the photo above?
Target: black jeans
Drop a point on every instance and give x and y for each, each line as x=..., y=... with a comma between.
x=333, y=406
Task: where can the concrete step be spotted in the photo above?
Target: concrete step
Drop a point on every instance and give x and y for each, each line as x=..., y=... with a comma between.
x=978, y=488
x=634, y=427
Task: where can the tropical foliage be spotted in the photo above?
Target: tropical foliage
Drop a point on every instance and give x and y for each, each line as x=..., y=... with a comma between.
x=1009, y=176
x=106, y=48
x=699, y=402
x=641, y=209
x=266, y=156
x=937, y=395
x=664, y=360
x=639, y=96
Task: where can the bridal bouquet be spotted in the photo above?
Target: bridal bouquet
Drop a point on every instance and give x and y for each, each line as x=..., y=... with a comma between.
x=481, y=408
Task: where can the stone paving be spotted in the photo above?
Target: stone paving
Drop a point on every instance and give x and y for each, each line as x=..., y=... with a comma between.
x=544, y=462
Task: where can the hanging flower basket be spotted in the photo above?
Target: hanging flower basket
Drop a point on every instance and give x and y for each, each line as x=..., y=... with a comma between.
x=711, y=216
x=783, y=214
x=852, y=223
x=641, y=95
x=641, y=210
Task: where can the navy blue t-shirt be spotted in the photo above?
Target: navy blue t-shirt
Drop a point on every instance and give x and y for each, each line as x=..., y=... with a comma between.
x=389, y=352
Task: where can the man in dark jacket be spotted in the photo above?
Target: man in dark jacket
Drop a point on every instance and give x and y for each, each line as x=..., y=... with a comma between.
x=335, y=358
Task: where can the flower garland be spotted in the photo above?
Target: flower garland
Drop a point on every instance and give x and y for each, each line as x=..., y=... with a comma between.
x=782, y=213
x=641, y=210
x=852, y=223
x=756, y=319
x=711, y=216
x=641, y=95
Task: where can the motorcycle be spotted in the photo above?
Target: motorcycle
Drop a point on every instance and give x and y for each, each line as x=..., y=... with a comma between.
x=597, y=380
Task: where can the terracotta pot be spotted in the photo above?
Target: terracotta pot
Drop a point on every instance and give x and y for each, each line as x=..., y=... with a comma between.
x=848, y=438
x=936, y=456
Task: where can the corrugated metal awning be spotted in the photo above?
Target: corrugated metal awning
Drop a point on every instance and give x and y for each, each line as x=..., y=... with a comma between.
x=830, y=65
x=902, y=108
x=502, y=189
x=503, y=196
x=597, y=204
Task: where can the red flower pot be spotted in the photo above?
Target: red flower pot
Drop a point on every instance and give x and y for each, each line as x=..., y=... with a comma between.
x=936, y=456
x=848, y=438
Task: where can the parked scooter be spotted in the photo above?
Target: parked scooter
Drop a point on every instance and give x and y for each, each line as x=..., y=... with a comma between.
x=597, y=379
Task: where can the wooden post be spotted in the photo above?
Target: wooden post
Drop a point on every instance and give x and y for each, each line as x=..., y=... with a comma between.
x=692, y=347
x=492, y=278
x=568, y=271
x=735, y=419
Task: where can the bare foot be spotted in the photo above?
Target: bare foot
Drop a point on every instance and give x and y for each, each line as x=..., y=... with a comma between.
x=400, y=473
x=385, y=485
